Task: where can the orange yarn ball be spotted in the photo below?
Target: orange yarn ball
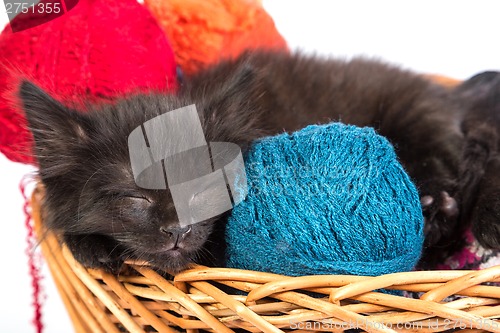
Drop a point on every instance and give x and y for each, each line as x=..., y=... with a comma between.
x=203, y=32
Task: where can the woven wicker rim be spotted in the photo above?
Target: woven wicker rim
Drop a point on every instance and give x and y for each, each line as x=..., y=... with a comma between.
x=143, y=301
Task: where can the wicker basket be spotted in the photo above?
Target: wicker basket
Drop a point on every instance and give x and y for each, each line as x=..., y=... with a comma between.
x=143, y=301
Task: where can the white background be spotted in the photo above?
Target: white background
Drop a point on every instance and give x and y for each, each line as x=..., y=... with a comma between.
x=454, y=38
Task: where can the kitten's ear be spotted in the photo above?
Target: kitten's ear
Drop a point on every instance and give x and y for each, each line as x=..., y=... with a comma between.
x=241, y=82
x=233, y=114
x=54, y=127
x=236, y=91
x=49, y=119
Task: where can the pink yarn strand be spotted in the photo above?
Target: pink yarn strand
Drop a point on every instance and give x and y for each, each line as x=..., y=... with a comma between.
x=34, y=258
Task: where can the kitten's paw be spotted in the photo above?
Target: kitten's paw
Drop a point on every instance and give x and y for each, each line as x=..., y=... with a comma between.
x=441, y=214
x=485, y=217
x=486, y=221
x=95, y=251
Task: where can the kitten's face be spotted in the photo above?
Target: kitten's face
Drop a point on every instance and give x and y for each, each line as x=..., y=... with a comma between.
x=90, y=189
x=144, y=222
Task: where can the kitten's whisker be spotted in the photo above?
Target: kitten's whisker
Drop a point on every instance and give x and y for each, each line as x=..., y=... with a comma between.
x=203, y=252
x=113, y=249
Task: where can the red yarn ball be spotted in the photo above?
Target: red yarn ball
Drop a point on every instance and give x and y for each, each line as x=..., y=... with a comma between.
x=99, y=49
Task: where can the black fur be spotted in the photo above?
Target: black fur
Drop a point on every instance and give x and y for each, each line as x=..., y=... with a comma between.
x=105, y=218
x=480, y=166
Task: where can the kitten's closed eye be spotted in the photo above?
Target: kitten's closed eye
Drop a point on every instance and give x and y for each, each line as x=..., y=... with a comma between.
x=125, y=192
x=136, y=197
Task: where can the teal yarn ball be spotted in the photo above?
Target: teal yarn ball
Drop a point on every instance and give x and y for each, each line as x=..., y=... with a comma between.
x=329, y=199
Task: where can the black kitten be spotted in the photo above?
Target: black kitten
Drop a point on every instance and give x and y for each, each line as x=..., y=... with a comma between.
x=90, y=194
x=92, y=199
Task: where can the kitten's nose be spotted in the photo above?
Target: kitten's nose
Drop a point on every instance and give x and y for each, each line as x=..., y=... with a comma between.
x=176, y=232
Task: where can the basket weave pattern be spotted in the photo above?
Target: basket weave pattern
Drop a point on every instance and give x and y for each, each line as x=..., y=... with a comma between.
x=141, y=300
